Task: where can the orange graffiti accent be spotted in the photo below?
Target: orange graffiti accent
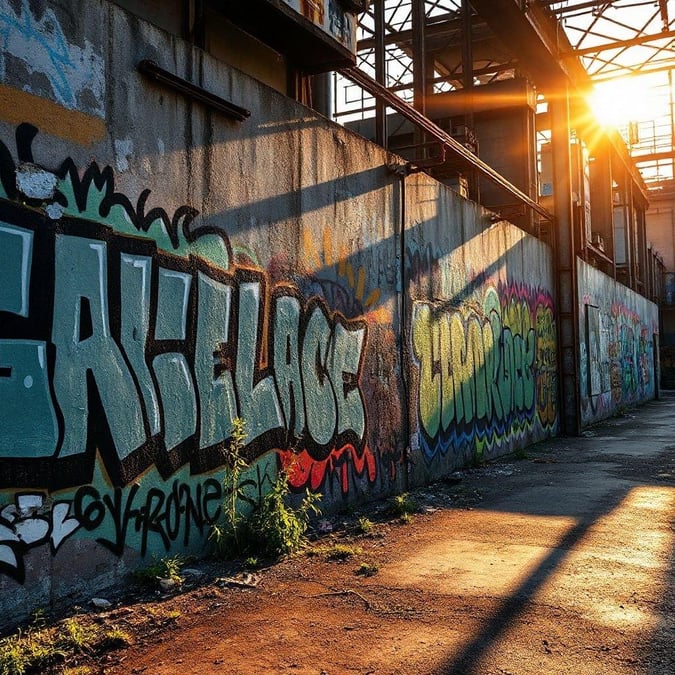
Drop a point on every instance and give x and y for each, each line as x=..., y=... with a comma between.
x=305, y=471
x=17, y=107
x=355, y=277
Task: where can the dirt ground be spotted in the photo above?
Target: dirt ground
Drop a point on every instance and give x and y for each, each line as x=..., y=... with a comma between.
x=561, y=562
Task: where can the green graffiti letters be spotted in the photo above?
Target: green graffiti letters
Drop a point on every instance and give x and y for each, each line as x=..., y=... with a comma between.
x=478, y=367
x=146, y=357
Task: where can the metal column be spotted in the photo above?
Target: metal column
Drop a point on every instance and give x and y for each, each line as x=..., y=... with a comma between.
x=381, y=135
x=467, y=86
x=418, y=56
x=419, y=65
x=566, y=266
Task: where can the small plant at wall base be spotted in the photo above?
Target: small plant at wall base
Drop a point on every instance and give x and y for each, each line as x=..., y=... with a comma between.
x=162, y=569
x=273, y=528
x=227, y=535
x=364, y=525
x=403, y=506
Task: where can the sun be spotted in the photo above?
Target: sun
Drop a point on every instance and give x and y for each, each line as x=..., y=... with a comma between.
x=618, y=102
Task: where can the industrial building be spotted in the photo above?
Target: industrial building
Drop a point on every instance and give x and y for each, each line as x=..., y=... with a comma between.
x=393, y=237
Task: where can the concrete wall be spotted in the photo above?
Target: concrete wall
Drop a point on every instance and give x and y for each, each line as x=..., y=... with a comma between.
x=165, y=270
x=481, y=330
x=618, y=345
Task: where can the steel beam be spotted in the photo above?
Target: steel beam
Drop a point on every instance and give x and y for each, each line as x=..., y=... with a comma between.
x=622, y=44
x=372, y=87
x=381, y=135
x=538, y=42
x=565, y=251
x=419, y=56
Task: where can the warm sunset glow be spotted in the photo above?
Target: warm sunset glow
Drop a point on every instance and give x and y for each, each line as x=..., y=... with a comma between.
x=620, y=101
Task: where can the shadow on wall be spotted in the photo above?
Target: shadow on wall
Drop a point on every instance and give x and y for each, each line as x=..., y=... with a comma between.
x=131, y=339
x=271, y=376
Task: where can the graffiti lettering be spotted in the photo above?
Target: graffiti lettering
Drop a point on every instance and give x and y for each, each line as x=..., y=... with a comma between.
x=151, y=519
x=478, y=379
x=618, y=356
x=166, y=517
x=166, y=352
x=145, y=357
x=29, y=522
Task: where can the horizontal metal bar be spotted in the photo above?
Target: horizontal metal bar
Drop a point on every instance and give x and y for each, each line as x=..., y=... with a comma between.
x=668, y=155
x=152, y=70
x=621, y=44
x=359, y=77
x=620, y=72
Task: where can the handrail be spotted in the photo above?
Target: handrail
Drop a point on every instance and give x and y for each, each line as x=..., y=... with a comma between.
x=376, y=89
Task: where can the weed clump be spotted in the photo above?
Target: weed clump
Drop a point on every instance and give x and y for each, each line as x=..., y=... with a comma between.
x=367, y=569
x=403, y=505
x=39, y=648
x=165, y=569
x=273, y=528
x=364, y=525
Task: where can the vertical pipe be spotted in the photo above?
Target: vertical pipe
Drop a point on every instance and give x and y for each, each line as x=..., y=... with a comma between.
x=467, y=57
x=642, y=277
x=467, y=86
x=629, y=231
x=419, y=70
x=418, y=56
x=404, y=361
x=672, y=119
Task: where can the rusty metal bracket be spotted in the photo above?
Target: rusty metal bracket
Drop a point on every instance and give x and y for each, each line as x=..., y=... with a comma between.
x=151, y=70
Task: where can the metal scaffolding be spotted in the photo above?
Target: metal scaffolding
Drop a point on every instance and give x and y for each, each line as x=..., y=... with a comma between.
x=437, y=46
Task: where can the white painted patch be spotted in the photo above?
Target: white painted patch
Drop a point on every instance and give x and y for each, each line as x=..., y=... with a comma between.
x=76, y=74
x=123, y=150
x=9, y=512
x=32, y=530
x=28, y=503
x=35, y=182
x=62, y=525
x=26, y=237
x=7, y=556
x=6, y=534
x=54, y=211
x=160, y=147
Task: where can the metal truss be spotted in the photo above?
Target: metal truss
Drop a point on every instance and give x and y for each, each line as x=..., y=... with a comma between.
x=610, y=38
x=630, y=38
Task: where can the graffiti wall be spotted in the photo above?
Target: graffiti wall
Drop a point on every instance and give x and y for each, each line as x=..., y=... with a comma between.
x=482, y=334
x=164, y=271
x=618, y=345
